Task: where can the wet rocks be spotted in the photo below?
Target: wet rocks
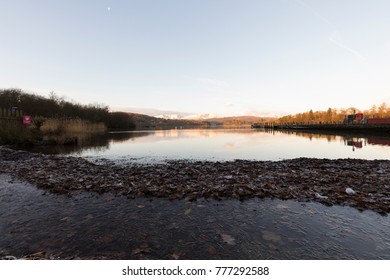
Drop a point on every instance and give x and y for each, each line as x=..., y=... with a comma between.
x=362, y=184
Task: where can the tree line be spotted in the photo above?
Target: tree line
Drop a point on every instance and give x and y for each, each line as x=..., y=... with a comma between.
x=335, y=115
x=57, y=107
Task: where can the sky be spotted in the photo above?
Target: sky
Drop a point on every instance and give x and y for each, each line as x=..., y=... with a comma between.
x=222, y=57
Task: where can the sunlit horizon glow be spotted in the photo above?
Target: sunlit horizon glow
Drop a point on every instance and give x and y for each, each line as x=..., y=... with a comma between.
x=220, y=57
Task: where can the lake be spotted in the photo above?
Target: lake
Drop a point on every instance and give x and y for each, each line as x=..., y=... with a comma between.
x=225, y=144
x=90, y=226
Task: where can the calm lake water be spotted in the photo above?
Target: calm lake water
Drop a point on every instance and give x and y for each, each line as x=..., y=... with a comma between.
x=226, y=144
x=92, y=226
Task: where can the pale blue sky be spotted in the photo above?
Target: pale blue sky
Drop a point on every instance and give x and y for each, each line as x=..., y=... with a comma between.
x=227, y=57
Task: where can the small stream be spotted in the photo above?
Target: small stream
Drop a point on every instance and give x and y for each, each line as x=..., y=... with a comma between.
x=91, y=226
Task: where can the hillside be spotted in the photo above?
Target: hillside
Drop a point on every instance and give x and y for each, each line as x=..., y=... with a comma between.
x=239, y=121
x=147, y=122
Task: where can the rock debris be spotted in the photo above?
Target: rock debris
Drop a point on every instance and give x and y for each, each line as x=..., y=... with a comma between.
x=302, y=179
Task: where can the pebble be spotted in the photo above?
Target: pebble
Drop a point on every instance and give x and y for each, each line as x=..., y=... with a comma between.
x=317, y=195
x=331, y=181
x=350, y=191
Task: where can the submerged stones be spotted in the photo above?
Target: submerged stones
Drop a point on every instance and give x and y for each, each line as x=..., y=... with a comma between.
x=362, y=184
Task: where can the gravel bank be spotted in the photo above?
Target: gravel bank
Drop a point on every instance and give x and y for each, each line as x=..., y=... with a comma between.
x=362, y=184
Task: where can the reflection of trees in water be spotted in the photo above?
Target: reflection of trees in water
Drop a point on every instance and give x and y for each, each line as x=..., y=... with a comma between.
x=309, y=135
x=119, y=137
x=85, y=141
x=89, y=142
x=328, y=137
x=97, y=143
x=173, y=134
x=357, y=140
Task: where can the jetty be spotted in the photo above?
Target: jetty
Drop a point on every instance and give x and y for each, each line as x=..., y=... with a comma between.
x=352, y=123
x=383, y=128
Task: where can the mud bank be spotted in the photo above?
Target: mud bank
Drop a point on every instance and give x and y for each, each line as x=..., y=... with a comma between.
x=362, y=184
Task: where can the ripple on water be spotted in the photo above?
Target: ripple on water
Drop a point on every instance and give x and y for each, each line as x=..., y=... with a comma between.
x=91, y=226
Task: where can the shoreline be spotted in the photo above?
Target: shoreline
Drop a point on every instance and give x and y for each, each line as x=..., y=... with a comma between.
x=382, y=128
x=302, y=179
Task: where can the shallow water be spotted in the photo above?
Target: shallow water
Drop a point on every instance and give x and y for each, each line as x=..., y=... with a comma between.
x=90, y=226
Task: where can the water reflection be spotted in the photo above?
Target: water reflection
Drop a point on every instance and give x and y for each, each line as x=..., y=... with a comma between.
x=123, y=136
x=88, y=142
x=90, y=226
x=355, y=142
x=226, y=144
x=223, y=144
x=384, y=141
x=349, y=139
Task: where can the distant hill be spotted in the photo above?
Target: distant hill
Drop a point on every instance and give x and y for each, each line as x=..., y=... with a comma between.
x=147, y=122
x=239, y=121
x=142, y=121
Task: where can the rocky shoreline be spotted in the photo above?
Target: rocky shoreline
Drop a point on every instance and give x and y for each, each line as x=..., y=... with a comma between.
x=362, y=184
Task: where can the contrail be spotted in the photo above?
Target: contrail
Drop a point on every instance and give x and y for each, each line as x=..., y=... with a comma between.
x=335, y=36
x=317, y=14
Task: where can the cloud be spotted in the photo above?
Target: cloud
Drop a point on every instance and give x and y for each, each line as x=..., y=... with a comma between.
x=265, y=113
x=335, y=38
x=152, y=112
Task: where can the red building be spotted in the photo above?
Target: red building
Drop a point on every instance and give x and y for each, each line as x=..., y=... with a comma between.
x=379, y=121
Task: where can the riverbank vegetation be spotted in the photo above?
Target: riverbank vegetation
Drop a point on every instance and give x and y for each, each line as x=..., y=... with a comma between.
x=55, y=107
x=52, y=116
x=14, y=132
x=334, y=115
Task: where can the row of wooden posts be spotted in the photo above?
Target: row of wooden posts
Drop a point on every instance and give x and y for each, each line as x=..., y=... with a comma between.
x=10, y=113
